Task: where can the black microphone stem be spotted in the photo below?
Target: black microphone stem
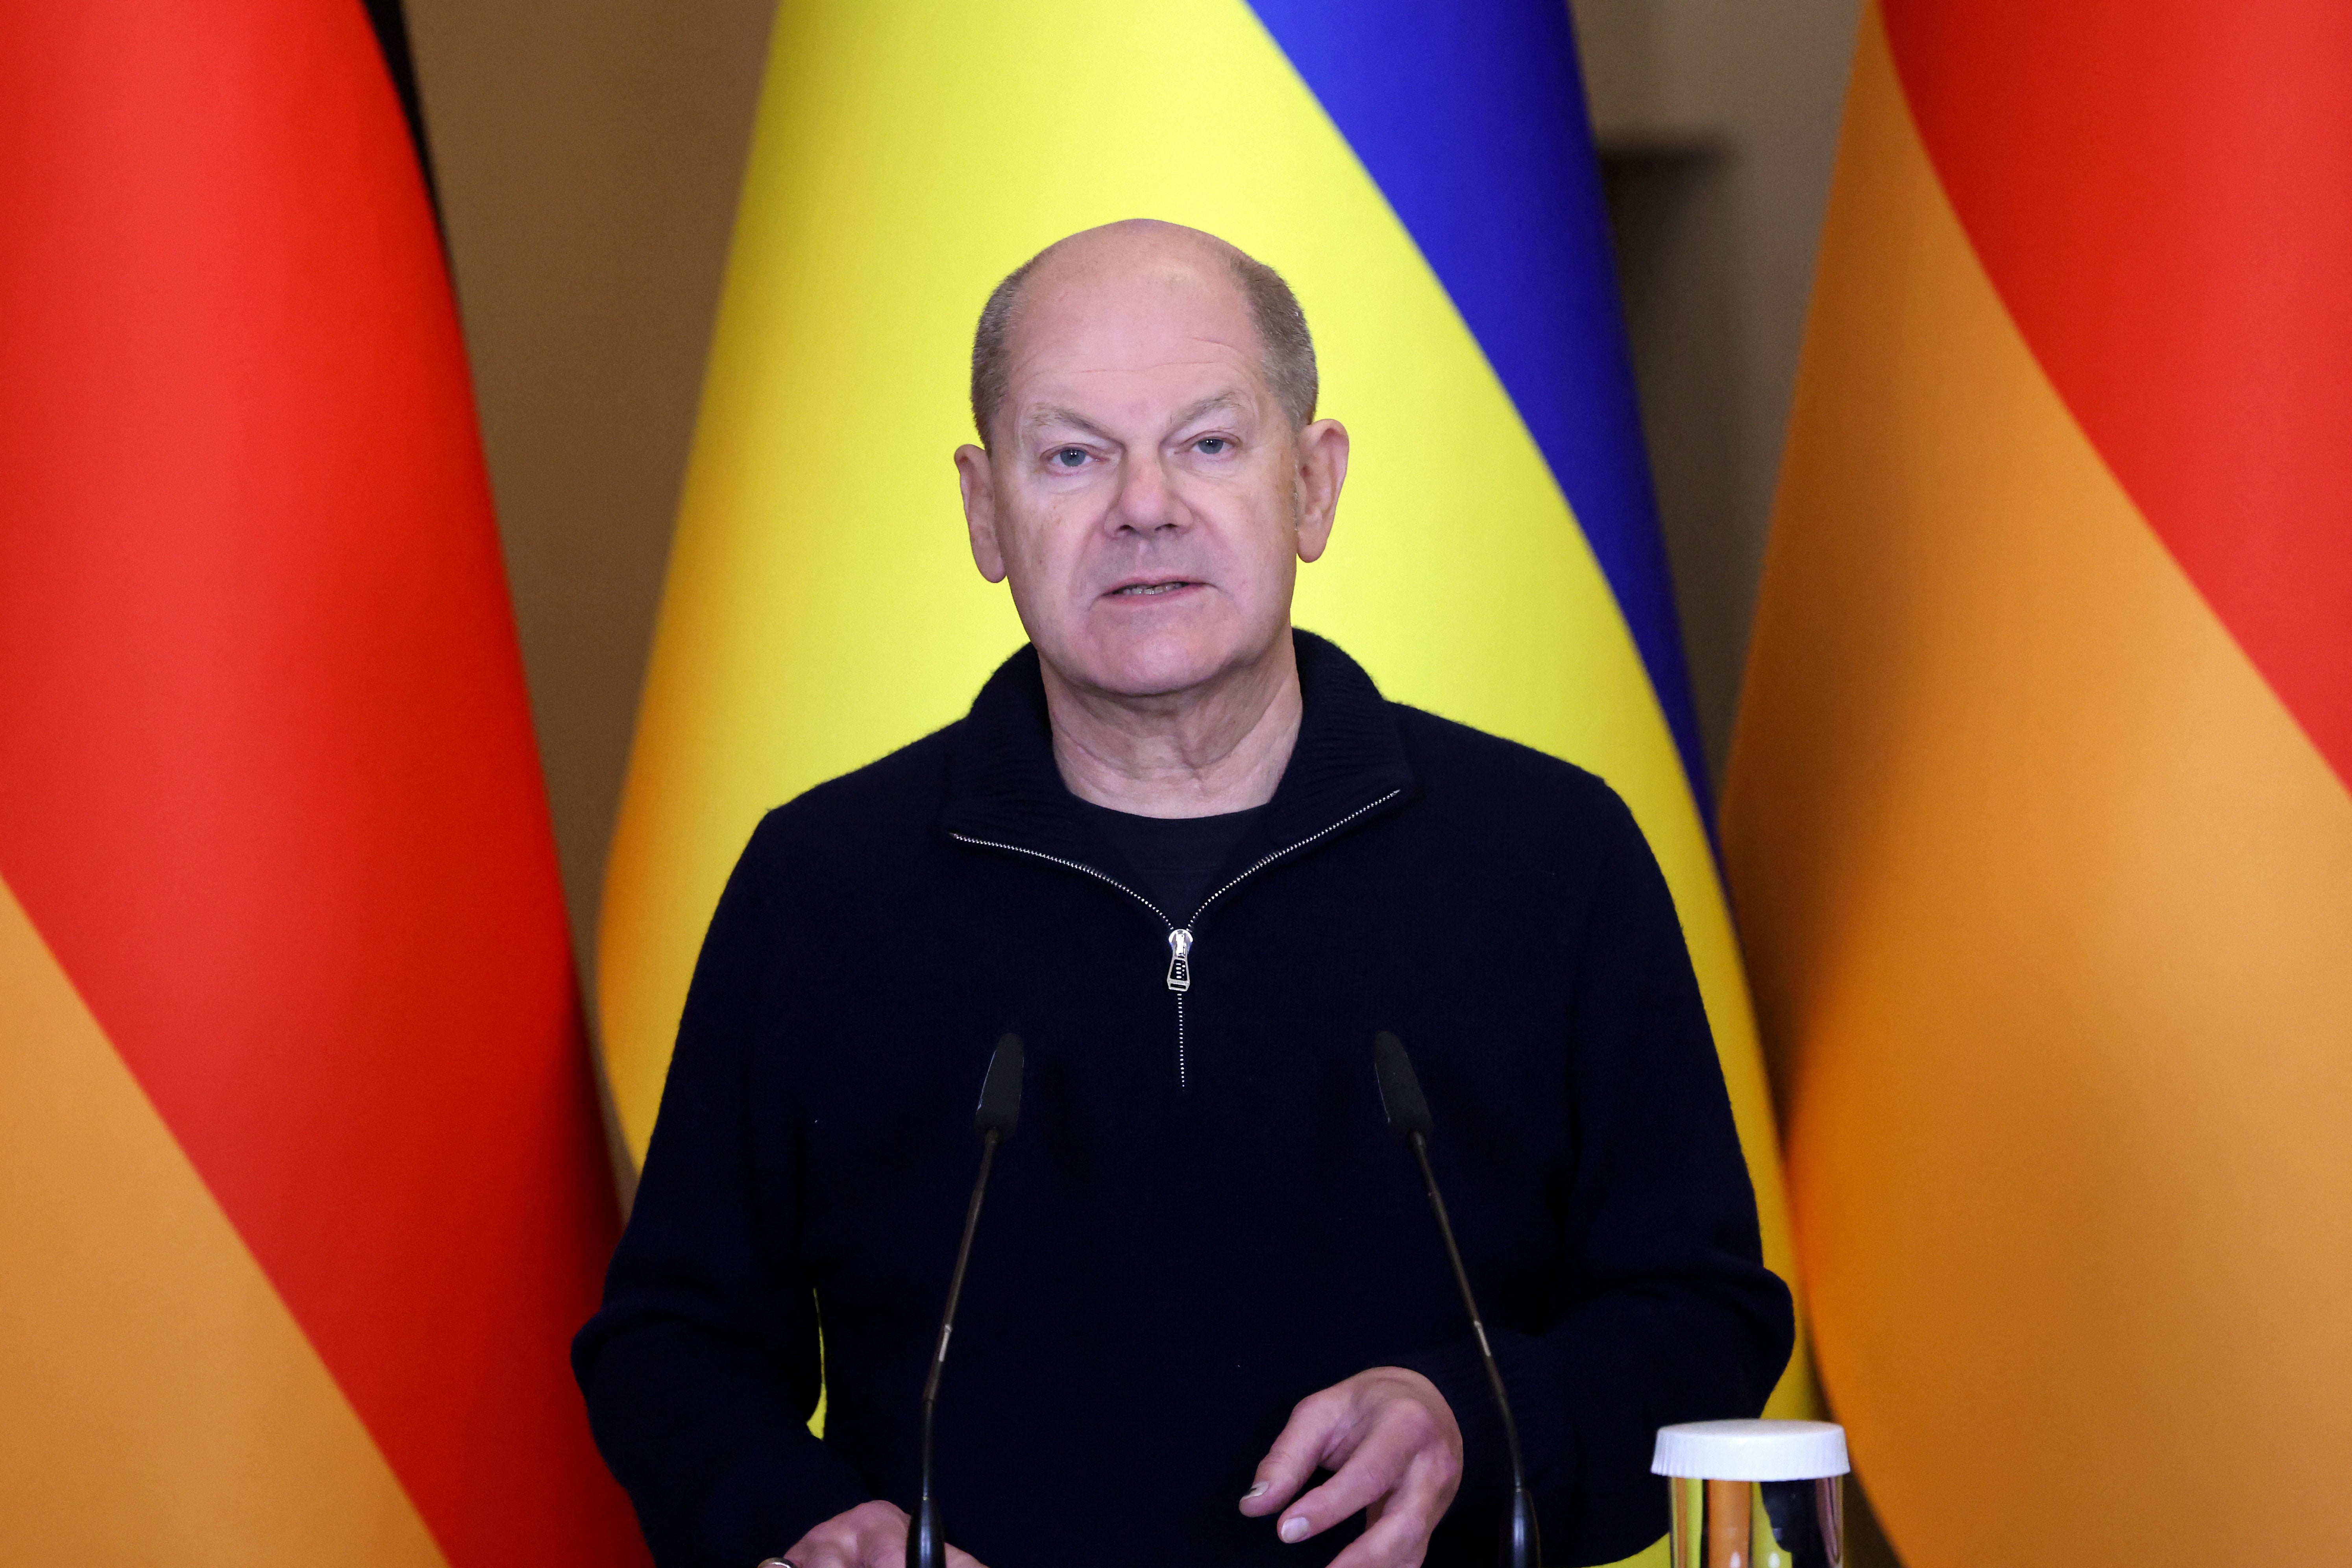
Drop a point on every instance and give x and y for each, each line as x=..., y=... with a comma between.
x=1470, y=1303
x=955, y=1293
x=924, y=1547
x=998, y=1113
x=1407, y=1110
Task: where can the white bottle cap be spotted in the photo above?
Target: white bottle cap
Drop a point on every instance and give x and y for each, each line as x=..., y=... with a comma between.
x=1751, y=1450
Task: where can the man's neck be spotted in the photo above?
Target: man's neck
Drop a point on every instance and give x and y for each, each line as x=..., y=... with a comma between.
x=1215, y=749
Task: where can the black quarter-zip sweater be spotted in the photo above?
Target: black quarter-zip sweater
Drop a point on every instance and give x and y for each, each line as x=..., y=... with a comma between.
x=1204, y=1217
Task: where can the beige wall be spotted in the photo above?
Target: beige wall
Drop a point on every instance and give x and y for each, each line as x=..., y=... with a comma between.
x=1717, y=120
x=588, y=155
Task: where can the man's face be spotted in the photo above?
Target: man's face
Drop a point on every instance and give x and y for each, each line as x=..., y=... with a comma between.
x=1144, y=490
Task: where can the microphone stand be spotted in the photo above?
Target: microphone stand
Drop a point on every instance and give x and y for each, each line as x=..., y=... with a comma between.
x=1408, y=1117
x=998, y=1111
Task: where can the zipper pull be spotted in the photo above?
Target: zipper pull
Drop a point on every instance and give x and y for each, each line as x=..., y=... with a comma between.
x=1180, y=960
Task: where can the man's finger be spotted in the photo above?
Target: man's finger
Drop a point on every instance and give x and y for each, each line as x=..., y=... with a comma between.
x=819, y=1554
x=958, y=1560
x=1398, y=1533
x=1398, y=1539
x=871, y=1535
x=1367, y=1475
x=1305, y=1443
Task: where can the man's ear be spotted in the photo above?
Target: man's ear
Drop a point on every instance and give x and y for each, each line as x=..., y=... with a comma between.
x=1322, y=470
x=979, y=486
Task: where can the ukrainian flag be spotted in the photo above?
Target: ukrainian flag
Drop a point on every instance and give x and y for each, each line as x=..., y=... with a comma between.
x=1424, y=178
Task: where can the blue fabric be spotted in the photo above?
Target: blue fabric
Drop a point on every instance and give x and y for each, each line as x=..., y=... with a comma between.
x=1470, y=117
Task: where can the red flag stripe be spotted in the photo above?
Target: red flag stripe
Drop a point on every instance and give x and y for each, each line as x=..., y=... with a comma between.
x=2162, y=192
x=268, y=785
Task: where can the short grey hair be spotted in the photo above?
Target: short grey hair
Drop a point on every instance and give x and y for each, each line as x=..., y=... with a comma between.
x=1273, y=311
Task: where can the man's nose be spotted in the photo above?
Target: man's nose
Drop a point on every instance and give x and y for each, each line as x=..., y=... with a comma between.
x=1146, y=503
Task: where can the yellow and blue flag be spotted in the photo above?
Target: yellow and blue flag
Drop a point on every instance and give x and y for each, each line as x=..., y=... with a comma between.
x=1423, y=176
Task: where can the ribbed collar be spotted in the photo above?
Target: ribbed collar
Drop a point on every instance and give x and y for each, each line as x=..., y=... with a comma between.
x=1004, y=788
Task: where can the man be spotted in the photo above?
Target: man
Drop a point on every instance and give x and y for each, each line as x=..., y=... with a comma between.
x=1196, y=861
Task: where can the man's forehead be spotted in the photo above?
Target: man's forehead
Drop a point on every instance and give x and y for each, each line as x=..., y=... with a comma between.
x=1134, y=318
x=1057, y=416
x=1091, y=337
x=1137, y=255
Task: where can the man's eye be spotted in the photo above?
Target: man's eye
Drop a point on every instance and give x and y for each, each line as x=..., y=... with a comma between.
x=1212, y=445
x=1070, y=457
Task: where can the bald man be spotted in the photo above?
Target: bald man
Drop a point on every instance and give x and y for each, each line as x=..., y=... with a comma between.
x=1196, y=861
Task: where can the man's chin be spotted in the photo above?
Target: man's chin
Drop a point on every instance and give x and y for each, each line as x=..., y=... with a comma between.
x=1146, y=668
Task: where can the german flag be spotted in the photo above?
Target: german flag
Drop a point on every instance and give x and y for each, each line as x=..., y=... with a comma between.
x=2038, y=821
x=303, y=1188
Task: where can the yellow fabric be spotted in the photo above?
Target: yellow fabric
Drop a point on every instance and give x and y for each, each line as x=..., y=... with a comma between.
x=2049, y=903
x=822, y=607
x=158, y=1403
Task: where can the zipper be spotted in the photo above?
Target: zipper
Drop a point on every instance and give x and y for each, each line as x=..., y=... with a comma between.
x=1262, y=862
x=1180, y=938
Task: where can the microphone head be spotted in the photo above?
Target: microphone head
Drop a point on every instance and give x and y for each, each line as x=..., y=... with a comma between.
x=1000, y=1093
x=1400, y=1098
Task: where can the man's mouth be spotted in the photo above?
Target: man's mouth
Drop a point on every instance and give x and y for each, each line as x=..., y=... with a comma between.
x=1148, y=590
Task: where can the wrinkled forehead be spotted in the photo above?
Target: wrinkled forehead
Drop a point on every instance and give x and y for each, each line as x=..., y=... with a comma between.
x=1168, y=328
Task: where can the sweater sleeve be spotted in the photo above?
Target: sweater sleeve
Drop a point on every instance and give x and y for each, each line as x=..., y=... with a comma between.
x=1666, y=1311
x=702, y=1367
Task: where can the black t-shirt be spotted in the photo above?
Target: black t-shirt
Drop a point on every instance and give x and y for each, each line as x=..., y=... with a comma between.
x=1175, y=856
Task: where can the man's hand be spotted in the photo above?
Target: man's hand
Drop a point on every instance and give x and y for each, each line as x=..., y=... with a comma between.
x=871, y=1535
x=1397, y=1451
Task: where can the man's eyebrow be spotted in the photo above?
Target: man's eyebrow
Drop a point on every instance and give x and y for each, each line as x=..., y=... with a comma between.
x=1230, y=398
x=1054, y=413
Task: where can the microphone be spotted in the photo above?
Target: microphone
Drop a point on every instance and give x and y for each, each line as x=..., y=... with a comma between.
x=997, y=1112
x=1408, y=1117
